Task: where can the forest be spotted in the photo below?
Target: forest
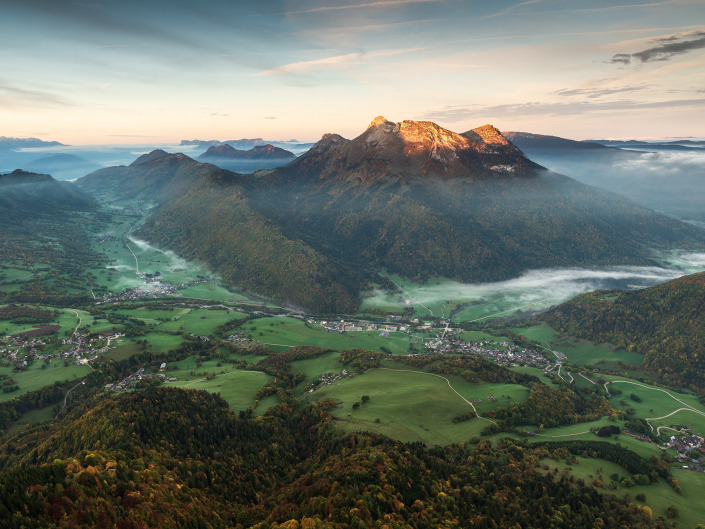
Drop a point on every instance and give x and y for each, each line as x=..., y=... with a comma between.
x=665, y=323
x=149, y=459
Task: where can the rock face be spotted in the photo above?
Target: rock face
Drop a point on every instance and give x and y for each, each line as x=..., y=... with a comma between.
x=413, y=149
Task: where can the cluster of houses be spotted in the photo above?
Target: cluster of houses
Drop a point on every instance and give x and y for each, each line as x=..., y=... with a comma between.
x=80, y=348
x=130, y=381
x=360, y=325
x=691, y=451
x=156, y=289
x=328, y=378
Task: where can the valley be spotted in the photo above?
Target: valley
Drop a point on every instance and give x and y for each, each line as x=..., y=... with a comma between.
x=432, y=361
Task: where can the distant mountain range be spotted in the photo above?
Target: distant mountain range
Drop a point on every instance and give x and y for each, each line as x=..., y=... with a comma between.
x=247, y=161
x=249, y=143
x=20, y=143
x=664, y=177
x=410, y=198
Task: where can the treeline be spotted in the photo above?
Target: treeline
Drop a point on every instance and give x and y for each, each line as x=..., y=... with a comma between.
x=13, y=409
x=632, y=462
x=666, y=323
x=550, y=407
x=178, y=458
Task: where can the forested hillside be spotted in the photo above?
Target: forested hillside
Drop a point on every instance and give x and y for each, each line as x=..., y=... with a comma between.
x=666, y=323
x=178, y=458
x=410, y=198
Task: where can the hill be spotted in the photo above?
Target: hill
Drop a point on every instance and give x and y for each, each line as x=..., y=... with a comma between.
x=149, y=459
x=26, y=195
x=412, y=198
x=666, y=323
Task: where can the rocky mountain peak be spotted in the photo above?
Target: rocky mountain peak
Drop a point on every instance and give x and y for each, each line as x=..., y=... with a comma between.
x=491, y=135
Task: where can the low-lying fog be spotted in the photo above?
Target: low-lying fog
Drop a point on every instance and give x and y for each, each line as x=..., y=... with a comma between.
x=535, y=289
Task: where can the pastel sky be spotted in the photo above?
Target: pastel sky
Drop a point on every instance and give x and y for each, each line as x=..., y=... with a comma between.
x=142, y=71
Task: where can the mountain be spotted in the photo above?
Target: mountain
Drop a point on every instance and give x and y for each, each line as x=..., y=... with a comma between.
x=62, y=166
x=203, y=212
x=20, y=143
x=656, y=176
x=259, y=152
x=409, y=198
x=249, y=143
x=167, y=457
x=259, y=157
x=529, y=142
x=45, y=222
x=25, y=195
x=665, y=323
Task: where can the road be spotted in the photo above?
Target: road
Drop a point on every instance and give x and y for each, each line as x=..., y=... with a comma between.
x=66, y=397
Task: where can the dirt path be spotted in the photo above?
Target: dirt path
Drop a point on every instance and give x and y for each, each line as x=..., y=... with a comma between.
x=449, y=385
x=79, y=322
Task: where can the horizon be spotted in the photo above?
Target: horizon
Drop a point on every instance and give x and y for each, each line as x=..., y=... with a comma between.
x=135, y=74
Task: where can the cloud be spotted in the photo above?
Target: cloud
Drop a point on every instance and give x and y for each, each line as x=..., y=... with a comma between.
x=381, y=3
x=670, y=46
x=270, y=117
x=594, y=93
x=459, y=113
x=15, y=97
x=332, y=63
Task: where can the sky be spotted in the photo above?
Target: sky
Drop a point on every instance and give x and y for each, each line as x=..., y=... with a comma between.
x=155, y=71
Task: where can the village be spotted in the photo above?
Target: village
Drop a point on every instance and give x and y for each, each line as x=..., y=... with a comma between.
x=23, y=349
x=444, y=340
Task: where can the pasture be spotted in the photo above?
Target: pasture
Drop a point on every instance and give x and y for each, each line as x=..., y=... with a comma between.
x=290, y=332
x=238, y=388
x=412, y=405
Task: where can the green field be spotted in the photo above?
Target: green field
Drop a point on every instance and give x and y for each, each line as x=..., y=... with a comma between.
x=200, y=321
x=238, y=388
x=315, y=366
x=442, y=298
x=35, y=377
x=31, y=417
x=579, y=352
x=658, y=402
x=413, y=405
x=293, y=332
x=161, y=342
x=658, y=495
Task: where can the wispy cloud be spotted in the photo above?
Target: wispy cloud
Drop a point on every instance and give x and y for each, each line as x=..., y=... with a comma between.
x=596, y=93
x=331, y=63
x=669, y=46
x=381, y=3
x=15, y=97
x=452, y=114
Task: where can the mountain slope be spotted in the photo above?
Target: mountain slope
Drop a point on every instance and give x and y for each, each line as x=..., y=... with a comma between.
x=203, y=212
x=45, y=222
x=666, y=323
x=25, y=195
x=410, y=198
x=62, y=166
x=421, y=201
